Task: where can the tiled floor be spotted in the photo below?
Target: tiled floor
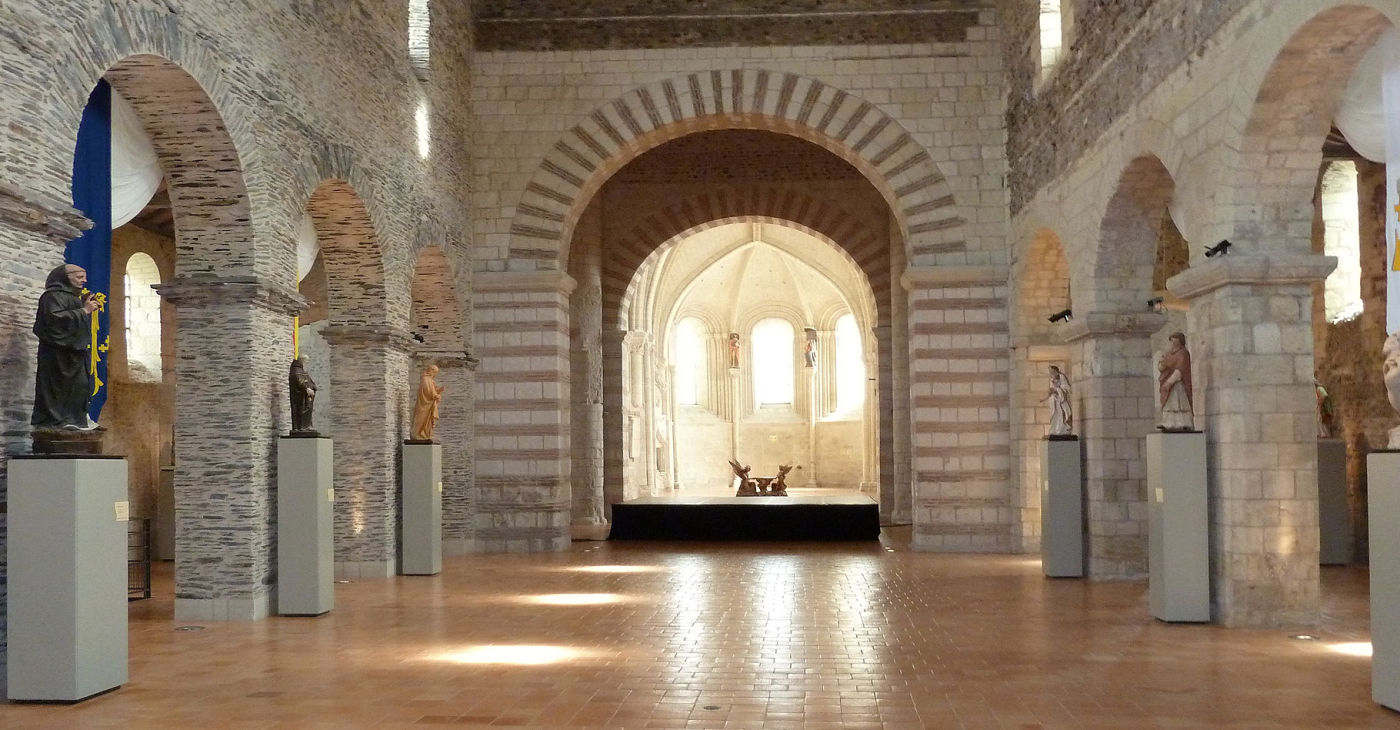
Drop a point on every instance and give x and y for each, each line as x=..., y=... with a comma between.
x=727, y=636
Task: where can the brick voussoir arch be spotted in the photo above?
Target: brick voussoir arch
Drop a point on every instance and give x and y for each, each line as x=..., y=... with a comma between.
x=724, y=206
x=617, y=132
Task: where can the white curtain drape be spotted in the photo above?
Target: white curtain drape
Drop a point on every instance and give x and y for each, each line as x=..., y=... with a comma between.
x=135, y=170
x=1361, y=115
x=307, y=246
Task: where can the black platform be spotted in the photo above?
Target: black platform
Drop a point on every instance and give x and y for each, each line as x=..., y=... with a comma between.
x=747, y=518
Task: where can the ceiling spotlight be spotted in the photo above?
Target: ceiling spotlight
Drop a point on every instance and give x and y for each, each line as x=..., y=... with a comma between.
x=1062, y=316
x=1303, y=637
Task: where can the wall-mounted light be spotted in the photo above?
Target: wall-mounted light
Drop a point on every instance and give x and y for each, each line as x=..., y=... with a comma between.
x=1062, y=316
x=1219, y=249
x=1155, y=304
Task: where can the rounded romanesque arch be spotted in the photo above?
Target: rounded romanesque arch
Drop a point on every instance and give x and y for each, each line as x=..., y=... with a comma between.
x=1126, y=255
x=853, y=129
x=1285, y=107
x=436, y=316
x=844, y=230
x=355, y=268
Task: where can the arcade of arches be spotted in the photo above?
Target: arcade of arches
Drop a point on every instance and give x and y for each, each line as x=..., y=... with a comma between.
x=642, y=239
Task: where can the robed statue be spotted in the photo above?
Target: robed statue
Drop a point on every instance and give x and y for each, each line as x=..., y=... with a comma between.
x=303, y=393
x=1390, y=370
x=425, y=410
x=1061, y=413
x=63, y=384
x=1174, y=387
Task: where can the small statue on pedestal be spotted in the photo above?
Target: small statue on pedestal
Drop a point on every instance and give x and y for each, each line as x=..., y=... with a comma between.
x=425, y=411
x=734, y=349
x=809, y=350
x=1061, y=414
x=1391, y=371
x=1174, y=387
x=63, y=380
x=302, y=390
x=1326, y=414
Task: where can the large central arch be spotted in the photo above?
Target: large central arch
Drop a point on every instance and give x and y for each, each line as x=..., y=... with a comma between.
x=855, y=130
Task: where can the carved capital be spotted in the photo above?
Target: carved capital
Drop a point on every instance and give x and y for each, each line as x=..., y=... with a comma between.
x=382, y=336
x=206, y=291
x=1111, y=324
x=39, y=213
x=446, y=360
x=1264, y=270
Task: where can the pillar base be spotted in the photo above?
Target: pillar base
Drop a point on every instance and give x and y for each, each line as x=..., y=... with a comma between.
x=223, y=609
x=1334, y=514
x=1178, y=527
x=421, y=517
x=67, y=521
x=1383, y=487
x=590, y=533
x=305, y=527
x=1061, y=508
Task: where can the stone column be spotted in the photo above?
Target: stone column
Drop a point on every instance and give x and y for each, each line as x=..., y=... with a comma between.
x=371, y=379
x=33, y=231
x=456, y=428
x=523, y=409
x=869, y=475
x=232, y=355
x=1250, y=335
x=1113, y=377
x=959, y=364
x=893, y=434
x=812, y=425
x=617, y=349
x=586, y=419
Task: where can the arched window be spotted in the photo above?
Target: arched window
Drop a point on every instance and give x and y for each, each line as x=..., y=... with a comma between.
x=141, y=310
x=419, y=26
x=1055, y=23
x=850, y=365
x=690, y=360
x=772, y=343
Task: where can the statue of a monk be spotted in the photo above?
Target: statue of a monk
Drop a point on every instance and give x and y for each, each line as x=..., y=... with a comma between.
x=1174, y=387
x=302, y=390
x=63, y=324
x=425, y=411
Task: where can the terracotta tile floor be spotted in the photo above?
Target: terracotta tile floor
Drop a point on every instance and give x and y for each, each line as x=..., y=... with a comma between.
x=729, y=636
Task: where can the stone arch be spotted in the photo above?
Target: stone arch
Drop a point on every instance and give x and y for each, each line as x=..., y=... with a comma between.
x=1042, y=289
x=1283, y=114
x=855, y=130
x=354, y=260
x=843, y=230
x=436, y=315
x=204, y=174
x=1126, y=255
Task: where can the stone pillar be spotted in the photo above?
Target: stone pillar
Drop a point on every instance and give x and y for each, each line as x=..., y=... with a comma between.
x=586, y=363
x=1250, y=335
x=870, y=410
x=893, y=434
x=523, y=409
x=33, y=231
x=371, y=379
x=812, y=425
x=959, y=365
x=1114, y=381
x=456, y=428
x=617, y=349
x=233, y=351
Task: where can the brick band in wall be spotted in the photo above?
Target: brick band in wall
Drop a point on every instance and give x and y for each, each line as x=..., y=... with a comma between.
x=523, y=411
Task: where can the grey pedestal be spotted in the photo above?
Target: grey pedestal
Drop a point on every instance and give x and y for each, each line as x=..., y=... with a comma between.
x=165, y=515
x=305, y=498
x=1383, y=486
x=1178, y=527
x=67, y=577
x=422, y=509
x=1061, y=509
x=1334, y=515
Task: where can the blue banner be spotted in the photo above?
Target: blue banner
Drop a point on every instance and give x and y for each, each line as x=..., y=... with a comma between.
x=92, y=194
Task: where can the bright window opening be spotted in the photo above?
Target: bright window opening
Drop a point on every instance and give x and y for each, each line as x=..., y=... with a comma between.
x=419, y=22
x=1054, y=24
x=772, y=341
x=850, y=365
x=420, y=118
x=141, y=310
x=690, y=360
x=1342, y=226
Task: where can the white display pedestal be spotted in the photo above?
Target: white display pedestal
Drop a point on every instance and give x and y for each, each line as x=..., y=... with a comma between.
x=1334, y=515
x=422, y=508
x=1178, y=527
x=1061, y=508
x=67, y=526
x=305, y=527
x=1383, y=486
